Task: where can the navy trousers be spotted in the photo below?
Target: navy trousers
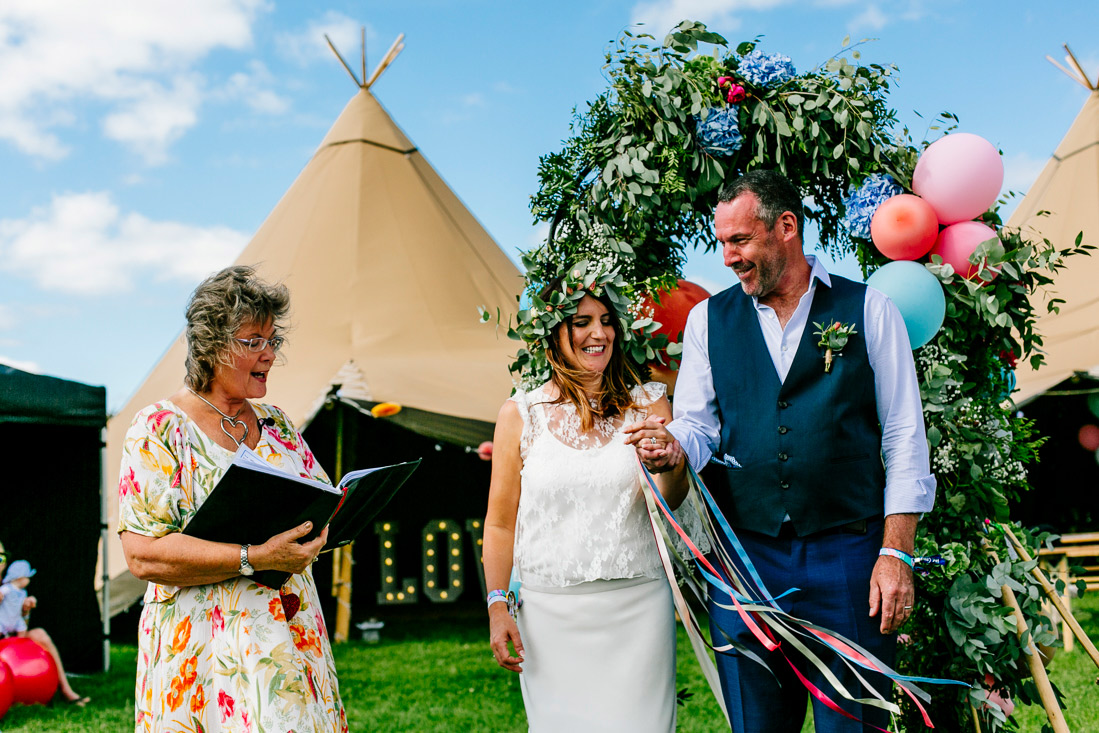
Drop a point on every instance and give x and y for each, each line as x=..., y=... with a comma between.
x=832, y=572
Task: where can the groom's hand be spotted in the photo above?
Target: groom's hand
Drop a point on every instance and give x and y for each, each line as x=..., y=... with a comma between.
x=656, y=447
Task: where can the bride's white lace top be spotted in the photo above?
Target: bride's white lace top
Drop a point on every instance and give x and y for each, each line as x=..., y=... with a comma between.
x=582, y=516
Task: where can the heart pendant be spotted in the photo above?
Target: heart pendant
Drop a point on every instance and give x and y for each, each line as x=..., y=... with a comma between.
x=235, y=424
x=290, y=604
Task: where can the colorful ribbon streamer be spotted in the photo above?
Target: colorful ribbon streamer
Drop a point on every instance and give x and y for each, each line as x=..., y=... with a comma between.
x=757, y=608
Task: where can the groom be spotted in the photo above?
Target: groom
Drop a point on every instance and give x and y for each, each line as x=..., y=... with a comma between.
x=823, y=471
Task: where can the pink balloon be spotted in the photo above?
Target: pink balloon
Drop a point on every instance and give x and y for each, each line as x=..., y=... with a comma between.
x=33, y=670
x=958, y=241
x=7, y=689
x=960, y=175
x=1089, y=437
x=904, y=227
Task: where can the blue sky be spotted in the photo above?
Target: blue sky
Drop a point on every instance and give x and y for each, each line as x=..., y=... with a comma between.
x=141, y=146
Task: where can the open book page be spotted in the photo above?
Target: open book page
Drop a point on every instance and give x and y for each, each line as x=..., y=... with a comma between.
x=245, y=457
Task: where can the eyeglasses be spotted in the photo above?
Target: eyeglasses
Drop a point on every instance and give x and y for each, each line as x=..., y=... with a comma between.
x=259, y=343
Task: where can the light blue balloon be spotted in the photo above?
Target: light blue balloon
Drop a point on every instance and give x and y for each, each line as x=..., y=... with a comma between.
x=917, y=295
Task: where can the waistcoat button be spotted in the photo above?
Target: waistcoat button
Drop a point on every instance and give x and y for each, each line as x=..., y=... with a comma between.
x=783, y=404
x=782, y=456
x=784, y=484
x=782, y=430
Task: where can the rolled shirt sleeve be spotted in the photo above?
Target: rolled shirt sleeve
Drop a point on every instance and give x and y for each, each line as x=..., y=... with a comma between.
x=909, y=483
x=696, y=423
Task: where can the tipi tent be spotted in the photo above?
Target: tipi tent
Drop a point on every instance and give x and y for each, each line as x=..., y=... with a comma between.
x=386, y=270
x=1068, y=188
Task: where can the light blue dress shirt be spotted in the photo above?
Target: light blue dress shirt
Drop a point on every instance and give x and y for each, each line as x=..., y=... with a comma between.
x=909, y=483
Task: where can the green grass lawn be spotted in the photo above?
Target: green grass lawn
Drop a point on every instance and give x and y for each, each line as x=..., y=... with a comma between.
x=440, y=676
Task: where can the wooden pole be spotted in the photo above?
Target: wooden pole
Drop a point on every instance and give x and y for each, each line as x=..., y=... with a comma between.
x=976, y=719
x=386, y=60
x=342, y=563
x=1051, y=592
x=1034, y=660
x=349, y=71
x=1072, y=58
x=364, y=51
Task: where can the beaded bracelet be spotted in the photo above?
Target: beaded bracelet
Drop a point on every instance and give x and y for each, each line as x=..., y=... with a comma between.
x=496, y=596
x=899, y=554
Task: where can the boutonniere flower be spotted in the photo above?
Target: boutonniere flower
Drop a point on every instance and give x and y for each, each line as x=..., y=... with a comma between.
x=833, y=338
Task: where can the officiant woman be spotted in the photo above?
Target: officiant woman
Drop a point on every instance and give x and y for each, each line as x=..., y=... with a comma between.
x=216, y=650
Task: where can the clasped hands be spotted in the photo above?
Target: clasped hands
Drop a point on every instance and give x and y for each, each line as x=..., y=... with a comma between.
x=656, y=447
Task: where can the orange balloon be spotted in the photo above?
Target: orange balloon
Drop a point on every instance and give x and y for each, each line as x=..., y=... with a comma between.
x=904, y=227
x=1089, y=437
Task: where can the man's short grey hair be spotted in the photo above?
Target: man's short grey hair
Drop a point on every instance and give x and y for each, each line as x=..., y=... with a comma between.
x=220, y=306
x=775, y=193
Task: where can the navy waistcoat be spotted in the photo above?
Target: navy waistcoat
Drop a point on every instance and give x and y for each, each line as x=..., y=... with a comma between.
x=809, y=447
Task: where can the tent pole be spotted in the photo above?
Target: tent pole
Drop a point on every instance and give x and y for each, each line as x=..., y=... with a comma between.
x=343, y=561
x=104, y=536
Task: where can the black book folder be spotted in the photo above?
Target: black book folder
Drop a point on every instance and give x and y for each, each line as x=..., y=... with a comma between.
x=254, y=501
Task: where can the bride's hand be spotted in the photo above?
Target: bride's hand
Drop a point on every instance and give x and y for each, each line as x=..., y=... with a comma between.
x=656, y=447
x=502, y=629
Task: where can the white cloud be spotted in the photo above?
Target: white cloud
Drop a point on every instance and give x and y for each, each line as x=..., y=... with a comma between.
x=26, y=366
x=137, y=56
x=1021, y=170
x=82, y=243
x=252, y=88
x=660, y=16
x=155, y=118
x=473, y=99
x=308, y=45
x=871, y=17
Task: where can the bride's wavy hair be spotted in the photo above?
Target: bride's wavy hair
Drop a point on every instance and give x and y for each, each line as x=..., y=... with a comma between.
x=619, y=378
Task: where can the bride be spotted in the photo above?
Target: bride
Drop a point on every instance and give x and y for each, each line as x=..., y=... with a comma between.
x=594, y=636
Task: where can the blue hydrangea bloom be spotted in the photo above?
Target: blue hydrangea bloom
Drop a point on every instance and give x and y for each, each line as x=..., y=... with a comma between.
x=861, y=203
x=719, y=133
x=766, y=69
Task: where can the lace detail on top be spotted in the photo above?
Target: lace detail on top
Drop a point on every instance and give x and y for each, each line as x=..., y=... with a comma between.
x=581, y=513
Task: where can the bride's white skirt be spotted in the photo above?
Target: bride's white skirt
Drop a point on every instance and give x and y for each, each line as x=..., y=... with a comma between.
x=600, y=656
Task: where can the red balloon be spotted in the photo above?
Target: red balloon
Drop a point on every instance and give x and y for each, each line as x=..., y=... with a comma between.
x=671, y=313
x=7, y=689
x=33, y=670
x=904, y=227
x=1089, y=437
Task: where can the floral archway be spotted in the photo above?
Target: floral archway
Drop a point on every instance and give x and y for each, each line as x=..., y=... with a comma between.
x=635, y=185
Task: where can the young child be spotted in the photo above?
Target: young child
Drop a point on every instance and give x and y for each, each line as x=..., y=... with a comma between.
x=15, y=608
x=13, y=598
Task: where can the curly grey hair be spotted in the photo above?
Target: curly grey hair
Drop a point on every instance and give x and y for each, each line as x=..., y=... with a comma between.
x=220, y=306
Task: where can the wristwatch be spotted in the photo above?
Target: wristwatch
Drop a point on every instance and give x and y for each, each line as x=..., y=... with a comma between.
x=245, y=568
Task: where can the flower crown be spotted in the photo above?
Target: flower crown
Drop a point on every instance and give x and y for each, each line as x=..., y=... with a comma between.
x=555, y=296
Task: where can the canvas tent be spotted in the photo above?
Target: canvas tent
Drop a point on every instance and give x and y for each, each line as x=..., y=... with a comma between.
x=386, y=269
x=1068, y=188
x=50, y=511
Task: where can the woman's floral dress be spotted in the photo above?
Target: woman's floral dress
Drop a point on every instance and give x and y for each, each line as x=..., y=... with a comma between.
x=222, y=656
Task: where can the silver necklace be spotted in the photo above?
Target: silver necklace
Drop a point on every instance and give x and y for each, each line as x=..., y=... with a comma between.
x=226, y=421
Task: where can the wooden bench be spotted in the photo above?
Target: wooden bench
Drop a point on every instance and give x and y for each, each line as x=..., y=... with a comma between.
x=1072, y=549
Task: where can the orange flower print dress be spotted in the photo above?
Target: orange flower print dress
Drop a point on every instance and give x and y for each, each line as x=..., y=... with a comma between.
x=221, y=657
